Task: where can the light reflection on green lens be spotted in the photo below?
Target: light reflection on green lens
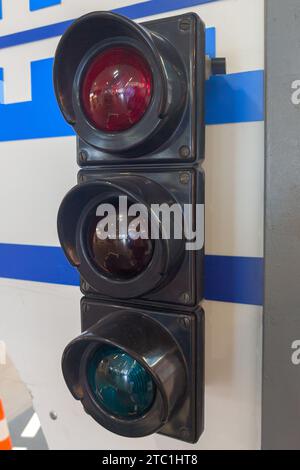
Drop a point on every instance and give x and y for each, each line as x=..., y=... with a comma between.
x=120, y=384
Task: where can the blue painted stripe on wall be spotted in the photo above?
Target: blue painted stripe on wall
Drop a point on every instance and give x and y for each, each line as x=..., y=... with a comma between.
x=133, y=11
x=227, y=279
x=36, y=263
x=155, y=7
x=40, y=118
x=0, y=9
x=35, y=34
x=38, y=4
x=234, y=279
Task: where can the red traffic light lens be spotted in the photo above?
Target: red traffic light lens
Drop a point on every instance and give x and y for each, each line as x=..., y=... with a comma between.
x=116, y=89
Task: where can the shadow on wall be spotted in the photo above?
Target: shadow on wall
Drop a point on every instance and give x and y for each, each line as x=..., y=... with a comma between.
x=24, y=425
x=13, y=392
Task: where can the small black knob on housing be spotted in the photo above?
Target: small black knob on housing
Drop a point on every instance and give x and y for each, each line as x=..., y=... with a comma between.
x=218, y=66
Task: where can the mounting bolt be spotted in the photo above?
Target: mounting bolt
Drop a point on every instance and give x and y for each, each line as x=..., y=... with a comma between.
x=53, y=415
x=184, y=323
x=84, y=286
x=185, y=297
x=184, y=433
x=83, y=156
x=184, y=178
x=185, y=25
x=184, y=151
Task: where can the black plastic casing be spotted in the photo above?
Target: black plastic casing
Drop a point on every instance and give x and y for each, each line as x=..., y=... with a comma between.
x=187, y=331
x=184, y=34
x=186, y=187
x=169, y=157
x=176, y=53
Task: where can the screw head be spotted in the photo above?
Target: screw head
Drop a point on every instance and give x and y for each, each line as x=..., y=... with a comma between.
x=84, y=286
x=184, y=151
x=184, y=25
x=83, y=156
x=185, y=297
x=53, y=415
x=184, y=178
x=184, y=322
x=184, y=433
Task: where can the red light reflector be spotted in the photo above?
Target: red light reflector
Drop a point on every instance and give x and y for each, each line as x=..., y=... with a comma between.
x=116, y=89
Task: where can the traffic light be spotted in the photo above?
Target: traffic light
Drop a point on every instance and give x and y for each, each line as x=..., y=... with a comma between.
x=138, y=371
x=151, y=107
x=133, y=226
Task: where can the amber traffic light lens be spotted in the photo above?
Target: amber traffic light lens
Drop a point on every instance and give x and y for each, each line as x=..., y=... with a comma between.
x=116, y=250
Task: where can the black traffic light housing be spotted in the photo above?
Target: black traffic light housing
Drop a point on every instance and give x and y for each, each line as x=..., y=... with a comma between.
x=169, y=345
x=174, y=274
x=169, y=130
x=150, y=316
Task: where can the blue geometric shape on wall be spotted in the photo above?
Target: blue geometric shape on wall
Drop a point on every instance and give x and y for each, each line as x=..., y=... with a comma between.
x=0, y=9
x=233, y=98
x=210, y=42
x=38, y=118
x=234, y=279
x=38, y=4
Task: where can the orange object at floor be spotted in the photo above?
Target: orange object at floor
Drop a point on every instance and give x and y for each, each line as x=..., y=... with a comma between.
x=5, y=440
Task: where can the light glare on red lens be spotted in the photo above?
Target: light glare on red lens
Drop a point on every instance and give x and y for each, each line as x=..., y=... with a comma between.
x=116, y=89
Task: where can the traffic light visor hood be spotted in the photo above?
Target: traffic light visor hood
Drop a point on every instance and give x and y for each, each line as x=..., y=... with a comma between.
x=136, y=267
x=133, y=345
x=112, y=75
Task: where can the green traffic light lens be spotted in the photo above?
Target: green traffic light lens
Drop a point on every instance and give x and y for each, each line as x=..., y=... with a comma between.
x=119, y=383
